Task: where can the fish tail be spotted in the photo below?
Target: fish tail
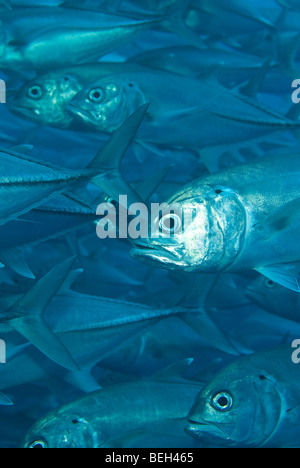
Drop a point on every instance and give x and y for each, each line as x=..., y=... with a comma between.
x=107, y=162
x=27, y=316
x=14, y=259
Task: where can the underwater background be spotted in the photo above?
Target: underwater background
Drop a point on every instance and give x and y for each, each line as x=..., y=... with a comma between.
x=104, y=350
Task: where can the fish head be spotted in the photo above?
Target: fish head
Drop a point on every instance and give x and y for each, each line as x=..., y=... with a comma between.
x=62, y=429
x=105, y=105
x=199, y=229
x=44, y=99
x=241, y=407
x=271, y=296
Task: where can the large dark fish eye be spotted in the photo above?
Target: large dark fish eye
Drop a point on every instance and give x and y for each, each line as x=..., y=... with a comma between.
x=96, y=95
x=170, y=223
x=222, y=401
x=40, y=443
x=35, y=92
x=270, y=284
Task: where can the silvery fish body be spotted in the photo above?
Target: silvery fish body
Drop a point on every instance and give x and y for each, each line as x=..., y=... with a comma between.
x=120, y=411
x=233, y=66
x=240, y=220
x=51, y=37
x=203, y=114
x=254, y=402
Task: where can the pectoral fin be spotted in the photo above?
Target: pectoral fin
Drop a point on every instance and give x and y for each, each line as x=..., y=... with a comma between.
x=286, y=275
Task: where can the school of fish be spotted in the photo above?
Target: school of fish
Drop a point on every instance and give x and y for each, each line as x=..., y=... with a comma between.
x=189, y=336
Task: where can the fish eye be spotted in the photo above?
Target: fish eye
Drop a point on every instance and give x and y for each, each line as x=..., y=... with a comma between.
x=40, y=443
x=96, y=95
x=270, y=284
x=35, y=92
x=222, y=401
x=170, y=223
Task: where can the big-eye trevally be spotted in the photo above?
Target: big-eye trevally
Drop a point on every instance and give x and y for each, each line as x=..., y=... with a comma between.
x=203, y=115
x=37, y=38
x=234, y=220
x=252, y=403
x=119, y=413
x=44, y=99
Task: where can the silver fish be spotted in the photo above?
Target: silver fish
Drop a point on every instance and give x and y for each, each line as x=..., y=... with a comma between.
x=254, y=402
x=53, y=37
x=204, y=115
x=157, y=405
x=231, y=221
x=44, y=99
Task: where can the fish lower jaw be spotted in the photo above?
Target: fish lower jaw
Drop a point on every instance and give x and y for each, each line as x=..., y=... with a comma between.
x=205, y=430
x=151, y=255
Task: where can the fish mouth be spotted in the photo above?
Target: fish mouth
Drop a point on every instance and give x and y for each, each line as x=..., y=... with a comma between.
x=80, y=112
x=24, y=110
x=204, y=429
x=252, y=294
x=155, y=254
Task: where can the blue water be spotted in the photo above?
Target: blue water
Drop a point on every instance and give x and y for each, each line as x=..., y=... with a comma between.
x=107, y=269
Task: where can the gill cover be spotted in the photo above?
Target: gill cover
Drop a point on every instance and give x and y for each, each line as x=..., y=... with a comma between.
x=214, y=237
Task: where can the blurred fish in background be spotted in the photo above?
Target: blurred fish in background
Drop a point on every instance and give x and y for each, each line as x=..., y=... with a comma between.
x=181, y=339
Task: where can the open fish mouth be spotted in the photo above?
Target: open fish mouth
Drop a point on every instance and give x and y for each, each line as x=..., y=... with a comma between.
x=24, y=110
x=155, y=254
x=82, y=113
